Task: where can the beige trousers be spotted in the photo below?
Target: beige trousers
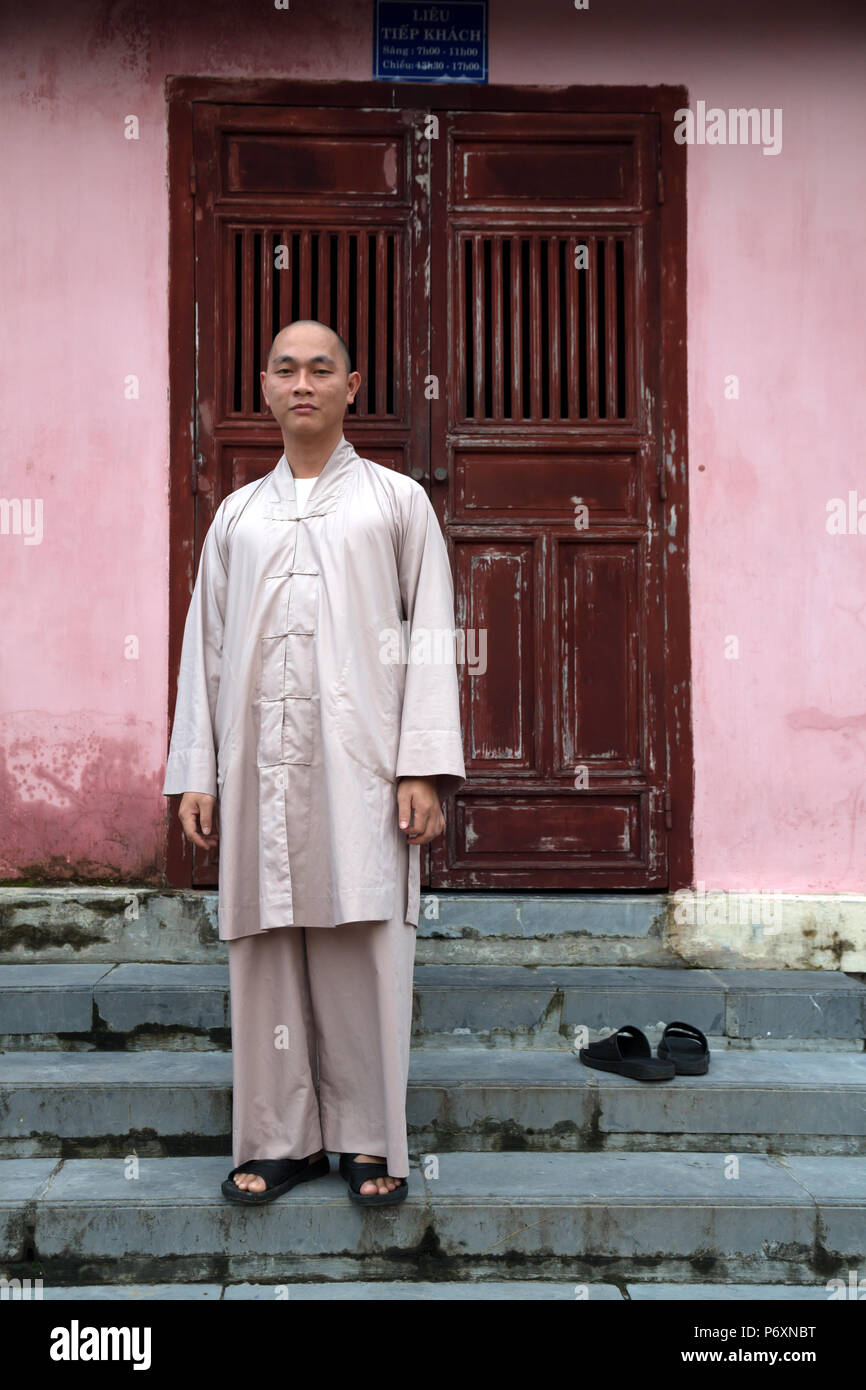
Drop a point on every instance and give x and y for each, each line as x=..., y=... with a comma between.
x=327, y=1009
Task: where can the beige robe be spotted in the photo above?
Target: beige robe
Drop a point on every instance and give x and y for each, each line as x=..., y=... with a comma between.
x=285, y=708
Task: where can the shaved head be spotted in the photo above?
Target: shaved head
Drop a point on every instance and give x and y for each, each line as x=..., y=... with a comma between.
x=315, y=323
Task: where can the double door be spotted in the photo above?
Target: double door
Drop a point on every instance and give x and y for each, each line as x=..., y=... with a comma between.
x=496, y=275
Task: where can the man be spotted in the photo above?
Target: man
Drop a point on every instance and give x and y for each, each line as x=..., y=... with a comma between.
x=329, y=758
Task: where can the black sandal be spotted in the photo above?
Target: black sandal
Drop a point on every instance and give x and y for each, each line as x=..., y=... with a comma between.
x=358, y=1173
x=686, y=1046
x=279, y=1174
x=627, y=1051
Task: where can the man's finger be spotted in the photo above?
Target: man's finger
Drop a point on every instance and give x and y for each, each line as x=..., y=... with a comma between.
x=194, y=838
x=191, y=833
x=404, y=806
x=189, y=819
x=422, y=822
x=434, y=826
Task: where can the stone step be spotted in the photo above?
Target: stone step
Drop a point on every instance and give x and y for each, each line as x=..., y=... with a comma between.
x=78, y=924
x=488, y=1291
x=145, y=1005
x=103, y=1104
x=582, y=1217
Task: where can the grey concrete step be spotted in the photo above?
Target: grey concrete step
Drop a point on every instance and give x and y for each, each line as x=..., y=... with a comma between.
x=83, y=925
x=387, y=1291
x=99, y=1104
x=589, y=1218
x=80, y=924
x=114, y=1006
x=147, y=1005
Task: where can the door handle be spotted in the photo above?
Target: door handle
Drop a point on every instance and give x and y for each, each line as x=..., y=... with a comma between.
x=440, y=474
x=417, y=473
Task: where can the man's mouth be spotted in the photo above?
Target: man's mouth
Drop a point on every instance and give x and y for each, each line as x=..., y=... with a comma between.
x=303, y=408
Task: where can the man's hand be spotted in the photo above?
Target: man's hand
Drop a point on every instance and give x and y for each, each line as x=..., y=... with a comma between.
x=197, y=817
x=420, y=812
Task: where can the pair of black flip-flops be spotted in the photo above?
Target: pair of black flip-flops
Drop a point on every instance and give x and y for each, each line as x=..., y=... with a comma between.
x=682, y=1051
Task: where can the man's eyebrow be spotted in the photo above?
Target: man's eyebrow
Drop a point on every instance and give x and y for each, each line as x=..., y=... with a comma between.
x=320, y=357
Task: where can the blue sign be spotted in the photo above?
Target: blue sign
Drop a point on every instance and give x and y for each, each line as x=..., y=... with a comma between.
x=430, y=43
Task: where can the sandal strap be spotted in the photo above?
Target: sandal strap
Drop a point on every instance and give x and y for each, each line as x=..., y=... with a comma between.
x=684, y=1030
x=638, y=1038
x=273, y=1170
x=609, y=1050
x=370, y=1170
x=358, y=1173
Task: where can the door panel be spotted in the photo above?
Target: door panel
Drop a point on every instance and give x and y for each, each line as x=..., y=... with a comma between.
x=497, y=586
x=544, y=304
x=538, y=340
x=302, y=217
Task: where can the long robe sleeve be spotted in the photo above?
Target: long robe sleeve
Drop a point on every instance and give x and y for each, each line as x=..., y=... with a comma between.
x=430, y=742
x=192, y=759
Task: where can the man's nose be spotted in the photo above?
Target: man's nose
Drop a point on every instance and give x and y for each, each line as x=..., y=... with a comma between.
x=303, y=382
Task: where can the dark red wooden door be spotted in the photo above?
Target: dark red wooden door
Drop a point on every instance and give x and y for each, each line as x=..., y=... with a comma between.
x=496, y=276
x=544, y=328
x=306, y=214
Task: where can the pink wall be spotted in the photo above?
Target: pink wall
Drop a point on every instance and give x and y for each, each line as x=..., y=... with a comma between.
x=777, y=296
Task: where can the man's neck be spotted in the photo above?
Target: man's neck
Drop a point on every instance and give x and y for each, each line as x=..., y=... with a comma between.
x=307, y=458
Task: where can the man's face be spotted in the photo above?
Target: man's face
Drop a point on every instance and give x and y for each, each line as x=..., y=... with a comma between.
x=306, y=384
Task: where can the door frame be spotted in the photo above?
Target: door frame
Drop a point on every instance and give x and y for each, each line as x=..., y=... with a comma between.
x=182, y=92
